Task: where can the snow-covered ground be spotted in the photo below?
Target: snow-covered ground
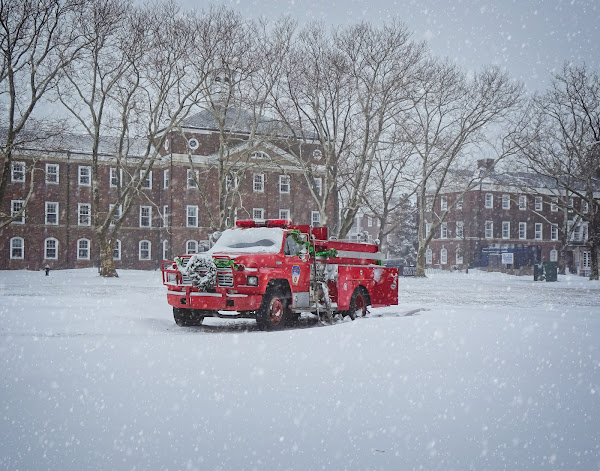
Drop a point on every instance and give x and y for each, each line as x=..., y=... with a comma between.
x=480, y=371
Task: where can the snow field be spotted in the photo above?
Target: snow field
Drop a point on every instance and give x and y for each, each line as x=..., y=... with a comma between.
x=489, y=372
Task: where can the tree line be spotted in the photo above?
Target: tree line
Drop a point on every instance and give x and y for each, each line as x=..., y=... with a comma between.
x=394, y=123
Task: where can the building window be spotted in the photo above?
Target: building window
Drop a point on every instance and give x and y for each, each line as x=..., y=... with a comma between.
x=117, y=250
x=284, y=214
x=193, y=143
x=427, y=229
x=459, y=257
x=284, y=184
x=165, y=215
x=587, y=259
x=116, y=215
x=85, y=176
x=15, y=207
x=145, y=216
x=259, y=183
x=114, y=179
x=165, y=250
x=429, y=204
x=51, y=249
x=258, y=214
x=554, y=255
x=459, y=203
x=489, y=230
x=17, y=248
x=192, y=178
x=84, y=211
x=231, y=182
x=52, y=173
x=585, y=206
x=554, y=205
x=538, y=231
x=166, y=175
x=319, y=185
x=192, y=216
x=369, y=221
x=146, y=182
x=538, y=203
x=505, y=201
x=191, y=247
x=522, y=230
x=145, y=250
x=522, y=202
x=554, y=232
x=460, y=229
x=443, y=256
x=489, y=200
x=315, y=218
x=428, y=256
x=51, y=213
x=83, y=249
x=444, y=230
x=443, y=203
x=505, y=229
x=17, y=173
x=259, y=155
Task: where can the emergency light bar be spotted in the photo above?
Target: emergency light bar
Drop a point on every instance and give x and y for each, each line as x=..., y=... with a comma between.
x=282, y=223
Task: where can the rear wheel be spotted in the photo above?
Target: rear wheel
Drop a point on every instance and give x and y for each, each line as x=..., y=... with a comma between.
x=188, y=317
x=273, y=313
x=358, y=303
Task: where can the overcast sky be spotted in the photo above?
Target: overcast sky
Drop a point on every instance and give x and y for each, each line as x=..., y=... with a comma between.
x=528, y=38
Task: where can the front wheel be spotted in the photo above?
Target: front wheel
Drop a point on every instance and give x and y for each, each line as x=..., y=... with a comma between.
x=273, y=313
x=187, y=317
x=358, y=304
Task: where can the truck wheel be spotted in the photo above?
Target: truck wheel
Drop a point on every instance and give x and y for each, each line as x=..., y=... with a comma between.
x=358, y=303
x=187, y=317
x=273, y=312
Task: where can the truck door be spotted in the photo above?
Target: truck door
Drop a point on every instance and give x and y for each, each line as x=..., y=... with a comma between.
x=297, y=265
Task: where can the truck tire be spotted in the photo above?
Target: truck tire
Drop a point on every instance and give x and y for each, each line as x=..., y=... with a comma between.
x=274, y=310
x=358, y=303
x=187, y=317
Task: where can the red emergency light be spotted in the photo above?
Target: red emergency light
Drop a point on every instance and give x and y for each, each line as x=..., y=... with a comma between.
x=282, y=223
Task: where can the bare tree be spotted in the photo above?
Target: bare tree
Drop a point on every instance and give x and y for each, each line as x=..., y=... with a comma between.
x=564, y=148
x=454, y=119
x=134, y=82
x=36, y=41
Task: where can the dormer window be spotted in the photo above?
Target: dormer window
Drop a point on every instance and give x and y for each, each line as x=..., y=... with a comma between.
x=259, y=155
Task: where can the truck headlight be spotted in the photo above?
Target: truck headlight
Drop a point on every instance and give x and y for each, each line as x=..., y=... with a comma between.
x=252, y=281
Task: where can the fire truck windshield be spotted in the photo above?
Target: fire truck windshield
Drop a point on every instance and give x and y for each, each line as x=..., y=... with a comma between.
x=257, y=239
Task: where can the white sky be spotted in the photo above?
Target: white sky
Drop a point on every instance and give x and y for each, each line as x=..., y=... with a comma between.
x=528, y=38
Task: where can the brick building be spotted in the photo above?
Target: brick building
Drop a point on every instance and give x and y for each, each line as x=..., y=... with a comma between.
x=170, y=215
x=514, y=217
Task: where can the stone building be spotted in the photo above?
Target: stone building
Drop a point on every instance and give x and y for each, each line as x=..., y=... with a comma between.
x=173, y=213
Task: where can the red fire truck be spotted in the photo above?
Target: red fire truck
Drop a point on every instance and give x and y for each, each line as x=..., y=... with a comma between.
x=273, y=271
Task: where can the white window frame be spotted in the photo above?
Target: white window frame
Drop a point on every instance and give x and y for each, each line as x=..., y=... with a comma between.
x=459, y=203
x=165, y=247
x=460, y=229
x=444, y=230
x=15, y=207
x=505, y=201
x=117, y=214
x=284, y=214
x=489, y=230
x=17, y=172
x=81, y=214
x=522, y=202
x=20, y=248
x=86, y=249
x=165, y=215
x=258, y=214
x=191, y=212
x=585, y=206
x=539, y=203
x=117, y=250
x=319, y=185
x=82, y=177
x=459, y=257
x=50, y=239
x=522, y=231
x=489, y=200
x=539, y=231
x=115, y=180
x=147, y=182
x=166, y=178
x=144, y=217
x=258, y=183
x=443, y=256
x=586, y=259
x=193, y=244
x=315, y=218
x=149, y=249
x=554, y=255
x=47, y=213
x=191, y=183
x=554, y=204
x=285, y=184
x=506, y=229
x=231, y=182
x=259, y=155
x=443, y=203
x=428, y=256
x=369, y=221
x=427, y=229
x=57, y=174
x=553, y=231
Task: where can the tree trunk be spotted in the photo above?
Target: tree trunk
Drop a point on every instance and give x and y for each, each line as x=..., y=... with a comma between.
x=420, y=271
x=107, y=263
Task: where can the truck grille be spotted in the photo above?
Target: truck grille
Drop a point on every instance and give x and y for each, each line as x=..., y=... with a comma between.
x=224, y=275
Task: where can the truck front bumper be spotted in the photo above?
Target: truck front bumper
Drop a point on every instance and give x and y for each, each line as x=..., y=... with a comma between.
x=217, y=301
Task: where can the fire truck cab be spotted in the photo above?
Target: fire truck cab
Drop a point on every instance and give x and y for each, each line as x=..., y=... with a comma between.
x=273, y=271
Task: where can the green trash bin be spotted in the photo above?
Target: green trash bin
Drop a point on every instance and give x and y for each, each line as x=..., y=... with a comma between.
x=538, y=272
x=551, y=271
